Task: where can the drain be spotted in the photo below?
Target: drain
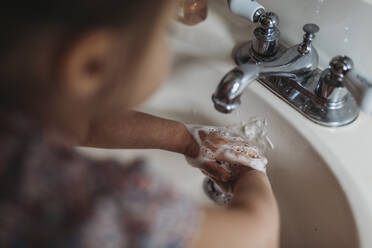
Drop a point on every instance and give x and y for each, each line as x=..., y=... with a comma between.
x=215, y=193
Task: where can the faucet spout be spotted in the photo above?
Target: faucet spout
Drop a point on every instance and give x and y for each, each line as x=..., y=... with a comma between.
x=226, y=99
x=291, y=64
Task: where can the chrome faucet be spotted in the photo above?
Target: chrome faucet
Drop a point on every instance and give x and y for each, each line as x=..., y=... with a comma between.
x=295, y=63
x=332, y=97
x=340, y=80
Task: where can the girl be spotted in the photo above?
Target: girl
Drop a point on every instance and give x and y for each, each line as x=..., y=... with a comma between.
x=70, y=72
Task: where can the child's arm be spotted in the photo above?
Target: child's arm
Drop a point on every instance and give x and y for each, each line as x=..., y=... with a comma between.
x=251, y=221
x=141, y=131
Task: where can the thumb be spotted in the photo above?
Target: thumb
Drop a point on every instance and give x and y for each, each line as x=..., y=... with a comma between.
x=216, y=171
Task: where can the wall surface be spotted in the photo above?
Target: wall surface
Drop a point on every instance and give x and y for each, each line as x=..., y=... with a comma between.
x=346, y=27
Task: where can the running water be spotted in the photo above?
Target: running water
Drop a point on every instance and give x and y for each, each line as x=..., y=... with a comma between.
x=318, y=9
x=238, y=114
x=246, y=144
x=346, y=30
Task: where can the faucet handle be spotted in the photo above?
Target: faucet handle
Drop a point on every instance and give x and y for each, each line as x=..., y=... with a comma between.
x=339, y=67
x=269, y=21
x=249, y=9
x=342, y=71
x=266, y=41
x=310, y=30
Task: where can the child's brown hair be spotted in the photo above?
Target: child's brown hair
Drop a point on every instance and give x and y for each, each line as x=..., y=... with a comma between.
x=24, y=26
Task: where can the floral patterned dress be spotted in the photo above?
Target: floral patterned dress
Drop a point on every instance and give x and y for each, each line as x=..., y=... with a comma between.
x=52, y=196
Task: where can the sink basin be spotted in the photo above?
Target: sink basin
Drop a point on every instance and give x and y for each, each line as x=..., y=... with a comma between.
x=321, y=197
x=314, y=209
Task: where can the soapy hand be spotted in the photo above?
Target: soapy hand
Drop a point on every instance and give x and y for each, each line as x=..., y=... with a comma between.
x=223, y=156
x=223, y=167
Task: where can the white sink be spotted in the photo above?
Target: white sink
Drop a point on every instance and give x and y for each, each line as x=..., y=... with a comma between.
x=314, y=210
x=309, y=167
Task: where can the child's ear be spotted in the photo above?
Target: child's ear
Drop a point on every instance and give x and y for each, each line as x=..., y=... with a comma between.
x=86, y=64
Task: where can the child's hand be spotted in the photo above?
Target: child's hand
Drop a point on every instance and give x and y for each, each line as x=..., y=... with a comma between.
x=223, y=160
x=236, y=172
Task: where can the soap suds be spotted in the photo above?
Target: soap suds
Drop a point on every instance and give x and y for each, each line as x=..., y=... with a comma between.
x=245, y=144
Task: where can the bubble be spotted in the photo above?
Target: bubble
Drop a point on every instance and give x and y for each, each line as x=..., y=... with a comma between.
x=252, y=134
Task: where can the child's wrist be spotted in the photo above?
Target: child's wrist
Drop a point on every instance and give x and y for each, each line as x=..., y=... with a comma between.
x=192, y=148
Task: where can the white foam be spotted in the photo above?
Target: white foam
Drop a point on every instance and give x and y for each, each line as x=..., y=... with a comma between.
x=246, y=144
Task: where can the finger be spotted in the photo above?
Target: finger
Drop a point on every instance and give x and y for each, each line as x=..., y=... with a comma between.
x=217, y=140
x=202, y=134
x=217, y=170
x=241, y=158
x=213, y=143
x=211, y=140
x=206, y=173
x=245, y=149
x=236, y=172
